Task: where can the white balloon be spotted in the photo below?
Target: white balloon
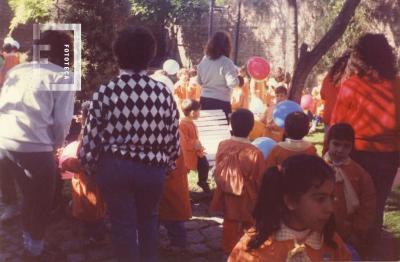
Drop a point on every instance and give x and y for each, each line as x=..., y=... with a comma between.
x=171, y=67
x=165, y=80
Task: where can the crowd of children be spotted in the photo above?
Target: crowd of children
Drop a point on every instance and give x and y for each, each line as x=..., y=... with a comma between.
x=288, y=206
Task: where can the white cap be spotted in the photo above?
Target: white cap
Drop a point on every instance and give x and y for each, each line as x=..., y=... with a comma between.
x=12, y=42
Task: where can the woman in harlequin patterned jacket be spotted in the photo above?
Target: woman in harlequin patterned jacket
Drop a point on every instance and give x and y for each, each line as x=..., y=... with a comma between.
x=130, y=141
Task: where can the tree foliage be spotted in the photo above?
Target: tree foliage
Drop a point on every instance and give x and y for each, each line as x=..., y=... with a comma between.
x=30, y=10
x=308, y=59
x=99, y=22
x=361, y=22
x=168, y=10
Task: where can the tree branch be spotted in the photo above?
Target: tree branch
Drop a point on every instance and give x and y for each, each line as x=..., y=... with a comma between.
x=309, y=59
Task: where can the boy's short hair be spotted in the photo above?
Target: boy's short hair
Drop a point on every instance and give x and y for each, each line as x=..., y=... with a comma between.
x=189, y=105
x=297, y=125
x=242, y=122
x=341, y=131
x=281, y=90
x=134, y=48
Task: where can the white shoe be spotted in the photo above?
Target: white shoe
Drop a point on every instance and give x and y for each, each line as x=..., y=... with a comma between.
x=9, y=212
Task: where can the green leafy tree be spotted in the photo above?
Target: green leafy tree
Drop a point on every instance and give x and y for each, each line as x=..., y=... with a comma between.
x=99, y=22
x=168, y=11
x=30, y=10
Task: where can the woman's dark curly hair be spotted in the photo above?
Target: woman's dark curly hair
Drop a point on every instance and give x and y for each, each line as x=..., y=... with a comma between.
x=219, y=45
x=372, y=51
x=134, y=48
x=339, y=67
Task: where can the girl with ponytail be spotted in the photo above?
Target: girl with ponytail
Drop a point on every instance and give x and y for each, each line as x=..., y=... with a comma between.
x=294, y=216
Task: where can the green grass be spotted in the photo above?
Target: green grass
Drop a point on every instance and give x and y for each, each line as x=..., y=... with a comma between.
x=392, y=222
x=392, y=213
x=317, y=138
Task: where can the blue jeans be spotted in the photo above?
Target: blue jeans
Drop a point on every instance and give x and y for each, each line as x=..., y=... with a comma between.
x=212, y=104
x=35, y=173
x=7, y=186
x=132, y=192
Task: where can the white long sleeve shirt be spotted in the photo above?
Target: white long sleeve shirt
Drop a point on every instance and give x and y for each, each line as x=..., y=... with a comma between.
x=217, y=78
x=33, y=116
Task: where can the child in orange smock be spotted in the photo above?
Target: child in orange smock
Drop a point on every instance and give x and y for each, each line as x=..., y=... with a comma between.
x=238, y=173
x=294, y=216
x=355, y=192
x=181, y=87
x=87, y=202
x=192, y=150
x=175, y=207
x=296, y=128
x=11, y=59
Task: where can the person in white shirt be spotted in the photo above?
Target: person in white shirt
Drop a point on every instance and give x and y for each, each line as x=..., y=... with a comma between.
x=217, y=74
x=35, y=117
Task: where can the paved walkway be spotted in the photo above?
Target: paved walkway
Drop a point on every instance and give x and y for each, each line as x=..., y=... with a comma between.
x=204, y=237
x=66, y=234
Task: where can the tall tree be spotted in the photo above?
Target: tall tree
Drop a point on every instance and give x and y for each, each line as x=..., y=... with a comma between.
x=293, y=33
x=308, y=59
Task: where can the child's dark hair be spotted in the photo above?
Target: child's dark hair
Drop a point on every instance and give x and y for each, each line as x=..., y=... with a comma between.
x=296, y=125
x=189, y=105
x=242, y=122
x=8, y=48
x=281, y=90
x=341, y=131
x=298, y=175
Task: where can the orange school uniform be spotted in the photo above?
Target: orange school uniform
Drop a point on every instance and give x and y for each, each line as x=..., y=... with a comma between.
x=259, y=130
x=189, y=137
x=353, y=219
x=175, y=201
x=237, y=157
x=10, y=60
x=288, y=148
x=281, y=247
x=180, y=89
x=87, y=203
x=193, y=90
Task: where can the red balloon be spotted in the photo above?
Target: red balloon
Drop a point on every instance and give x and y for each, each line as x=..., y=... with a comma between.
x=306, y=102
x=258, y=68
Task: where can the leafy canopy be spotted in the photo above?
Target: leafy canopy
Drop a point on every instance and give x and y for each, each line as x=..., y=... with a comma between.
x=30, y=10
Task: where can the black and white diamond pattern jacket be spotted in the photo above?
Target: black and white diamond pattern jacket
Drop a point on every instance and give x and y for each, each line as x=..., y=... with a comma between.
x=133, y=117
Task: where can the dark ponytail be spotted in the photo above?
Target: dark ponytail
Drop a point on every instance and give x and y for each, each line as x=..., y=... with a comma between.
x=298, y=174
x=268, y=209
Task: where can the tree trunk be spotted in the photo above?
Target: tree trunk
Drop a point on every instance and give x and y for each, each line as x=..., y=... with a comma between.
x=308, y=59
x=293, y=34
